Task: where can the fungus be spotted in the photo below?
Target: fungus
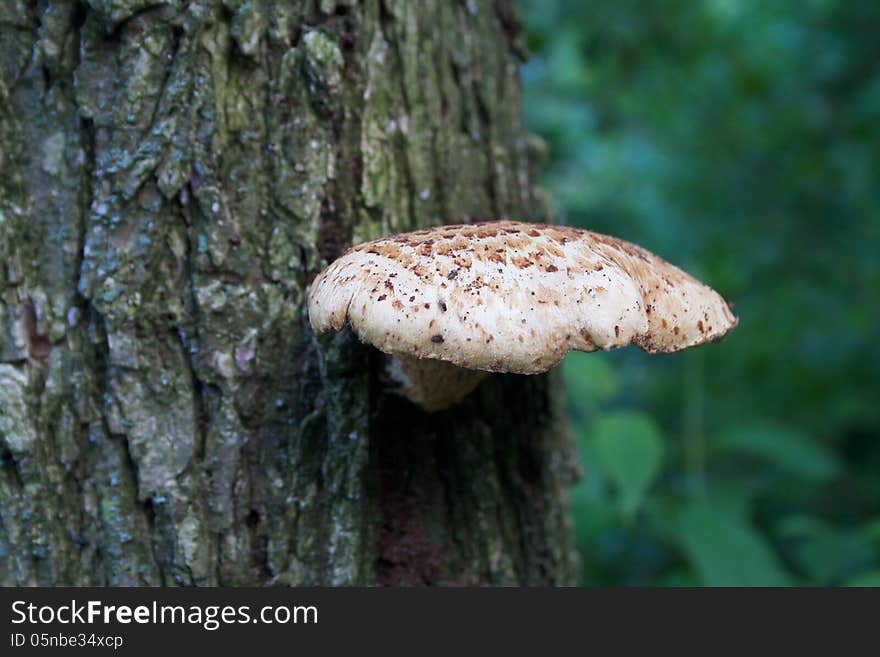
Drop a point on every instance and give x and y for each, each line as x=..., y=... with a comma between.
x=452, y=303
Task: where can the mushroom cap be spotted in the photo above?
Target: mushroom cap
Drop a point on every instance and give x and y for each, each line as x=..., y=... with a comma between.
x=508, y=296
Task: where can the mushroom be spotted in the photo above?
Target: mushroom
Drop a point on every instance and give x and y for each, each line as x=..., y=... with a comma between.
x=451, y=303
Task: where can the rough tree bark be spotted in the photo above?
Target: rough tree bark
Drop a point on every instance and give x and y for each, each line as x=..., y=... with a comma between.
x=172, y=175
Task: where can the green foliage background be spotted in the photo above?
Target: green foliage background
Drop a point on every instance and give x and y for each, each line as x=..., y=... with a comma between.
x=741, y=141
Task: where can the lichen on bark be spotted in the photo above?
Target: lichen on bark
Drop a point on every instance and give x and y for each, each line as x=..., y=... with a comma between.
x=172, y=175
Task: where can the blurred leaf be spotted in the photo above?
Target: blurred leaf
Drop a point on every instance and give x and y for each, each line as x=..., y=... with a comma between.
x=801, y=525
x=741, y=142
x=589, y=379
x=828, y=554
x=783, y=446
x=832, y=557
x=590, y=520
x=871, y=529
x=726, y=550
x=630, y=448
x=593, y=482
x=680, y=578
x=871, y=578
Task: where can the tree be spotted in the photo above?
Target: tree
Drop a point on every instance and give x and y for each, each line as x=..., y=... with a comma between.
x=172, y=175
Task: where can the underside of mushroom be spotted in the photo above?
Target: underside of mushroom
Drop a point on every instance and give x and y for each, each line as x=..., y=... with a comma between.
x=507, y=297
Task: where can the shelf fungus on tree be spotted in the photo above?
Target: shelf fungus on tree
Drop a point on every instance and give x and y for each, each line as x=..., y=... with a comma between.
x=450, y=304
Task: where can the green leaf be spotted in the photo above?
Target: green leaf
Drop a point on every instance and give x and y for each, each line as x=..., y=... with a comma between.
x=592, y=484
x=591, y=519
x=870, y=578
x=630, y=449
x=801, y=525
x=871, y=530
x=680, y=578
x=828, y=554
x=589, y=380
x=726, y=550
x=783, y=446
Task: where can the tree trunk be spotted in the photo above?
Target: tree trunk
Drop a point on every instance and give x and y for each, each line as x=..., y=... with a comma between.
x=172, y=176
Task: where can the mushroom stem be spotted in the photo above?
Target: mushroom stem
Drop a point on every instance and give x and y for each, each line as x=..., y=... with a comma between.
x=433, y=385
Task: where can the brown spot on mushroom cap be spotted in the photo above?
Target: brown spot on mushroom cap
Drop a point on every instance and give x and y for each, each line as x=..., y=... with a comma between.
x=613, y=293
